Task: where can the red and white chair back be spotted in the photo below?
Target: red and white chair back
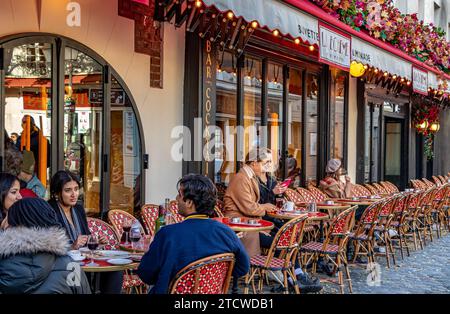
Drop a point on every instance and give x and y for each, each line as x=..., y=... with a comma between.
x=100, y=228
x=318, y=194
x=150, y=213
x=173, y=208
x=209, y=275
x=293, y=196
x=116, y=218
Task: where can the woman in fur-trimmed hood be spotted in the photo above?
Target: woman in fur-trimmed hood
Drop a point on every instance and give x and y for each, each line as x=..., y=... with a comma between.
x=33, y=253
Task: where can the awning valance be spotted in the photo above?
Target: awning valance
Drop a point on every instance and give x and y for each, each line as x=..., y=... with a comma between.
x=369, y=54
x=273, y=15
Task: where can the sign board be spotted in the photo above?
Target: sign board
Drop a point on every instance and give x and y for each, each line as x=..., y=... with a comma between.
x=334, y=48
x=420, y=81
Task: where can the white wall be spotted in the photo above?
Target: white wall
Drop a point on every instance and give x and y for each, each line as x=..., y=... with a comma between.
x=112, y=37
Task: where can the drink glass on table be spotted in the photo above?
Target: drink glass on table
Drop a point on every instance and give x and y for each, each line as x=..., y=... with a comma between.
x=135, y=236
x=92, y=245
x=126, y=228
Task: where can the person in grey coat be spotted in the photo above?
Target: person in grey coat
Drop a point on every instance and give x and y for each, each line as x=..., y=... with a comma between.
x=33, y=253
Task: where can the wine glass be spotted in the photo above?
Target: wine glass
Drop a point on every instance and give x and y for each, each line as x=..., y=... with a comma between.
x=126, y=228
x=92, y=244
x=135, y=236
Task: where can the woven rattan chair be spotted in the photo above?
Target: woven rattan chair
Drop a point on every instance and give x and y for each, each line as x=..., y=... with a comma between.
x=149, y=214
x=218, y=208
x=209, y=275
x=286, y=241
x=116, y=218
x=318, y=194
x=359, y=190
x=372, y=189
x=382, y=227
x=362, y=237
x=173, y=208
x=306, y=195
x=333, y=248
x=99, y=228
x=293, y=196
x=380, y=188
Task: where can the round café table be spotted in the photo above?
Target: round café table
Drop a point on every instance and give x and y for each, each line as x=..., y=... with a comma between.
x=288, y=215
x=363, y=202
x=103, y=267
x=330, y=208
x=244, y=226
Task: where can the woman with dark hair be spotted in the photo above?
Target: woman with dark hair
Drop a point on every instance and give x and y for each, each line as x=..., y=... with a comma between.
x=64, y=192
x=9, y=194
x=33, y=253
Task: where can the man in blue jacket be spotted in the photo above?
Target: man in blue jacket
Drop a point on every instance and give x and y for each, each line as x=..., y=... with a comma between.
x=178, y=245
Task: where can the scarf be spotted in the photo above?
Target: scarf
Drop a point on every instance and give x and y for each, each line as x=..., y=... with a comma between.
x=73, y=231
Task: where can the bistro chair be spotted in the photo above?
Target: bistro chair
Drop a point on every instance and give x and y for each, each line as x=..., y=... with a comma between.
x=306, y=195
x=437, y=215
x=285, y=242
x=333, y=248
x=359, y=190
x=149, y=214
x=424, y=220
x=437, y=181
x=116, y=218
x=363, y=236
x=428, y=183
x=99, y=228
x=396, y=223
x=218, y=208
x=380, y=188
x=293, y=196
x=209, y=275
x=372, y=189
x=413, y=210
x=173, y=209
x=382, y=228
x=318, y=194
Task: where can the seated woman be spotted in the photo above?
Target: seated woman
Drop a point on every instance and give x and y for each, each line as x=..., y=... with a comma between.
x=242, y=196
x=9, y=194
x=332, y=185
x=64, y=191
x=33, y=253
x=269, y=189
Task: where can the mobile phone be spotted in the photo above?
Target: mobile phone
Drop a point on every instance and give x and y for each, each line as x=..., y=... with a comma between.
x=286, y=182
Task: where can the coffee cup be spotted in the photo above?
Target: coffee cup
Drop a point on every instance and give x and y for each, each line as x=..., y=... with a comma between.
x=354, y=198
x=328, y=202
x=235, y=220
x=288, y=206
x=252, y=221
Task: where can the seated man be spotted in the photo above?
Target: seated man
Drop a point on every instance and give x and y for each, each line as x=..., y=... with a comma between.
x=177, y=245
x=28, y=175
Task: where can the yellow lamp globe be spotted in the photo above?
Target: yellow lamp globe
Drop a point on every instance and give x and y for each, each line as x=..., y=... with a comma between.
x=435, y=126
x=423, y=125
x=357, y=69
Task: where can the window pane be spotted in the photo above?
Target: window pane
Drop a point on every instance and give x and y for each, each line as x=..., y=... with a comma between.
x=275, y=108
x=28, y=79
x=295, y=128
x=226, y=76
x=312, y=93
x=252, y=103
x=125, y=143
x=83, y=117
x=337, y=107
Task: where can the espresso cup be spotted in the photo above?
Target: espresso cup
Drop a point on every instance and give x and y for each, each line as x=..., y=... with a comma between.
x=288, y=206
x=235, y=220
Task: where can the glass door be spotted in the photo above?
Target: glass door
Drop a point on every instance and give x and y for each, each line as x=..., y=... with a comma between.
x=83, y=118
x=26, y=114
x=393, y=151
x=372, y=143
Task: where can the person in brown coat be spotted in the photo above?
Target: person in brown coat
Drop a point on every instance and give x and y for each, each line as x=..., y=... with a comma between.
x=242, y=196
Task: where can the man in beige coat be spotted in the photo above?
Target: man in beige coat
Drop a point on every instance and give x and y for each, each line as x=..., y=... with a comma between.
x=241, y=200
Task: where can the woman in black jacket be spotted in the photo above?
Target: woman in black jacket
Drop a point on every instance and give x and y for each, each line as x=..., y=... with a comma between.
x=33, y=253
x=64, y=191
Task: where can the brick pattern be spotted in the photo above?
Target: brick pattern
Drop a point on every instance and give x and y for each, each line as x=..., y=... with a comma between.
x=148, y=35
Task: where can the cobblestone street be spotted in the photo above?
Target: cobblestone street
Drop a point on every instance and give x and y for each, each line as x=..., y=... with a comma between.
x=425, y=271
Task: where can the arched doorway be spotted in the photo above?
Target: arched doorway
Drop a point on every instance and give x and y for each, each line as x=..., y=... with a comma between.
x=84, y=111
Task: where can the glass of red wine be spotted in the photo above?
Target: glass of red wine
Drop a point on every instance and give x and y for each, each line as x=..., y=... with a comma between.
x=92, y=245
x=126, y=228
x=135, y=236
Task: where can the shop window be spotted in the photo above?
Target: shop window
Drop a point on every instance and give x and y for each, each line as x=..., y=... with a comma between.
x=295, y=118
x=28, y=92
x=311, y=127
x=337, y=114
x=83, y=124
x=226, y=76
x=275, y=109
x=125, y=152
x=252, y=104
